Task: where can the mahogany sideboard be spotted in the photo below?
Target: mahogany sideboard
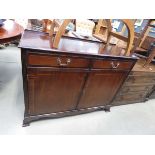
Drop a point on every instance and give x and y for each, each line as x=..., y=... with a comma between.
x=73, y=79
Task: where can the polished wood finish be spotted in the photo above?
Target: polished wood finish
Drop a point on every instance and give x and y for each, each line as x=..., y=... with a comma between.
x=57, y=61
x=100, y=88
x=54, y=91
x=72, y=79
x=112, y=64
x=10, y=31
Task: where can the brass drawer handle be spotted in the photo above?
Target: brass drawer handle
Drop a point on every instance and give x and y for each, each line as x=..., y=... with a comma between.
x=114, y=66
x=63, y=64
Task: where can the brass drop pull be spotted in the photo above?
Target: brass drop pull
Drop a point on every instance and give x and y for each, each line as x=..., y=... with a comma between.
x=63, y=64
x=114, y=65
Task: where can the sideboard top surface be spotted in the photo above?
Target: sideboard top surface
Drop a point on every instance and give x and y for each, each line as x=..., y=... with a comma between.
x=41, y=41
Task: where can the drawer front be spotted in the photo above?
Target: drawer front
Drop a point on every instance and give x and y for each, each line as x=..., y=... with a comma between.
x=58, y=61
x=143, y=73
x=128, y=89
x=130, y=97
x=139, y=80
x=112, y=64
x=116, y=103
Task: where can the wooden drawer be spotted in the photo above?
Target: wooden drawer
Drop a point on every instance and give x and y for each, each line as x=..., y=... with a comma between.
x=139, y=80
x=57, y=61
x=117, y=103
x=112, y=64
x=142, y=73
x=127, y=89
x=130, y=97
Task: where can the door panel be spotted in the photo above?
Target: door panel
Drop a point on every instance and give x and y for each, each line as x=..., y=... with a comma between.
x=100, y=88
x=54, y=91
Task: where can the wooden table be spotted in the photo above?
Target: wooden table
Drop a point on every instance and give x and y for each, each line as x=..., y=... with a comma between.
x=10, y=31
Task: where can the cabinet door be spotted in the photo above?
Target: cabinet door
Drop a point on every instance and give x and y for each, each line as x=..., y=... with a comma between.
x=54, y=91
x=100, y=88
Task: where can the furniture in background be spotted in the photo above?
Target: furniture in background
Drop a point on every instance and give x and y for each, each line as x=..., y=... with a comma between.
x=123, y=43
x=140, y=38
x=148, y=53
x=10, y=32
x=138, y=86
x=128, y=40
x=35, y=24
x=101, y=30
x=85, y=27
x=146, y=30
x=151, y=55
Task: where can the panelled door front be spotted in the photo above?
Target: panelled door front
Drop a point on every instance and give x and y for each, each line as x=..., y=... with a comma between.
x=54, y=91
x=100, y=88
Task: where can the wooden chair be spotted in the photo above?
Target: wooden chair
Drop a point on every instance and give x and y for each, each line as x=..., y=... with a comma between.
x=128, y=23
x=49, y=26
x=61, y=30
x=141, y=38
x=46, y=24
x=128, y=40
x=101, y=30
